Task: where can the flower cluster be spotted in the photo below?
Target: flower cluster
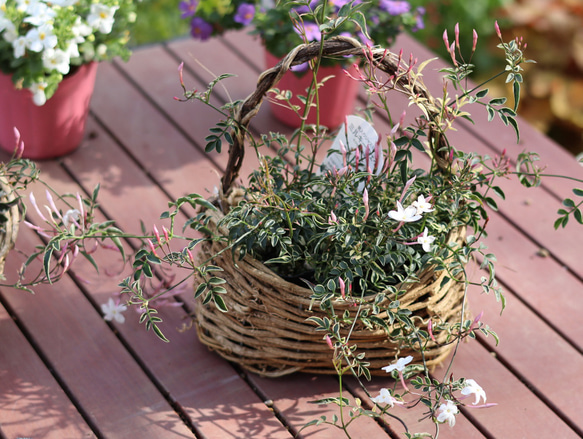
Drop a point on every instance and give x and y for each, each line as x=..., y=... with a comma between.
x=385, y=19
x=444, y=408
x=41, y=41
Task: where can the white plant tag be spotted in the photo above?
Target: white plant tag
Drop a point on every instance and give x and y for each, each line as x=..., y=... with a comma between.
x=362, y=136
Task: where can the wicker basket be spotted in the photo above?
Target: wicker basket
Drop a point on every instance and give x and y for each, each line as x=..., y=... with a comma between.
x=9, y=230
x=265, y=330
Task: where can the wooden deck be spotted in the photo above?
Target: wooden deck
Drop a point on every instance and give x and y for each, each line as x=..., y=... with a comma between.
x=66, y=373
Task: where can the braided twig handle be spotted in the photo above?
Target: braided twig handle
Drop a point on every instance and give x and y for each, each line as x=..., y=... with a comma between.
x=339, y=46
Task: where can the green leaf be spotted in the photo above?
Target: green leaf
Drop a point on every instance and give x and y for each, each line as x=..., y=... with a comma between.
x=482, y=93
x=568, y=202
x=578, y=192
x=220, y=303
x=200, y=289
x=577, y=215
x=516, y=88
x=499, y=192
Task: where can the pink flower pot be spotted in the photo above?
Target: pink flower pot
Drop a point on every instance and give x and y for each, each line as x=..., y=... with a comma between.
x=53, y=129
x=337, y=96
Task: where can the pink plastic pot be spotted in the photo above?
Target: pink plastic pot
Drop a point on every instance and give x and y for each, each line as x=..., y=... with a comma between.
x=51, y=130
x=337, y=96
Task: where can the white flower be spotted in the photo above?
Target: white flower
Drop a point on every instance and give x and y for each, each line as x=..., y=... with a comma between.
x=112, y=310
x=38, y=93
x=399, y=365
x=56, y=59
x=10, y=33
x=422, y=205
x=71, y=216
x=19, y=46
x=473, y=388
x=101, y=50
x=426, y=240
x=404, y=215
x=101, y=17
x=80, y=30
x=447, y=412
x=26, y=5
x=72, y=49
x=40, y=38
x=39, y=14
x=385, y=397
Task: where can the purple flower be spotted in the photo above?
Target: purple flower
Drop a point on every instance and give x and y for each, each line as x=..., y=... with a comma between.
x=395, y=7
x=200, y=29
x=419, y=24
x=245, y=14
x=188, y=8
x=310, y=30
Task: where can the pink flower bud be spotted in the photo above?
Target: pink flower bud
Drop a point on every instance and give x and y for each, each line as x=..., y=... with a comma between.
x=457, y=35
x=189, y=253
x=497, y=30
x=152, y=248
x=475, y=43
x=342, y=288
x=180, y=68
x=366, y=206
x=157, y=235
x=329, y=342
x=430, y=330
x=446, y=39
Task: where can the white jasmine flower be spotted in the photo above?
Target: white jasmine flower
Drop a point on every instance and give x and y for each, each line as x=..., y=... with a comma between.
x=423, y=205
x=399, y=365
x=112, y=310
x=473, y=388
x=404, y=215
x=38, y=93
x=25, y=5
x=71, y=216
x=40, y=38
x=385, y=397
x=56, y=59
x=447, y=412
x=72, y=49
x=426, y=240
x=101, y=17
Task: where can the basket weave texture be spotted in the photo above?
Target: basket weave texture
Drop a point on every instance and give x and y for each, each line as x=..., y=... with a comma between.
x=265, y=329
x=9, y=230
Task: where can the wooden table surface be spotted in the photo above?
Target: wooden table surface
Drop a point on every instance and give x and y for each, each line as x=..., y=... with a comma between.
x=66, y=373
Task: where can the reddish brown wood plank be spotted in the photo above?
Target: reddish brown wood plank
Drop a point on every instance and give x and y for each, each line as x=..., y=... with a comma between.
x=206, y=387
x=100, y=374
x=31, y=403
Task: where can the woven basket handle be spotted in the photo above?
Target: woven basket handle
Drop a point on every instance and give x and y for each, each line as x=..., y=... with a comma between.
x=339, y=46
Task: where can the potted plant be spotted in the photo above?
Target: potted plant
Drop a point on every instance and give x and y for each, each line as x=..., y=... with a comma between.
x=271, y=21
x=48, y=55
x=340, y=246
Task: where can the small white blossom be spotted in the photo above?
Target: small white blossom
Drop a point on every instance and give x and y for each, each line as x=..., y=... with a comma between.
x=426, y=240
x=10, y=33
x=80, y=30
x=422, y=205
x=473, y=388
x=70, y=217
x=404, y=215
x=38, y=93
x=56, y=59
x=385, y=397
x=40, y=38
x=19, y=45
x=112, y=310
x=40, y=14
x=101, y=17
x=399, y=365
x=447, y=412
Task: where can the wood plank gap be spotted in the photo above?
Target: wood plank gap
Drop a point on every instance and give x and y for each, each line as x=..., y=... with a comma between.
x=81, y=286
x=278, y=415
x=529, y=385
x=50, y=368
x=163, y=114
